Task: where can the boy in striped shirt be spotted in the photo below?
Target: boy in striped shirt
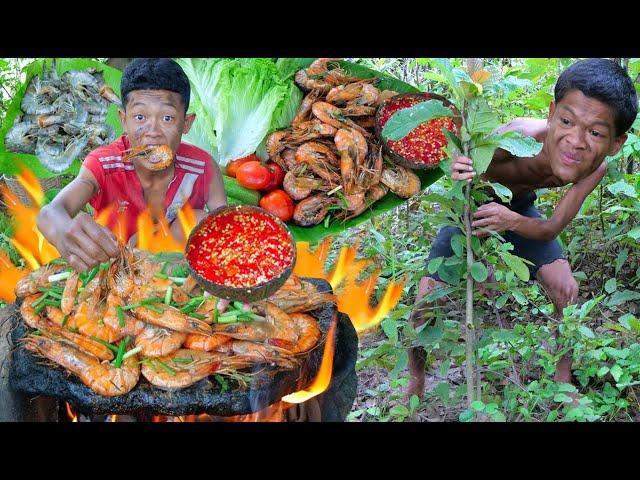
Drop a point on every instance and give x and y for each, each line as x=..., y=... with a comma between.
x=155, y=98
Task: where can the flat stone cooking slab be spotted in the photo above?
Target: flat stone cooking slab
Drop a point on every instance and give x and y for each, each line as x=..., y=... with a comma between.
x=29, y=374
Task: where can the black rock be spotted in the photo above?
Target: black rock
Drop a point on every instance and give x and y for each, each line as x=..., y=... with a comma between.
x=30, y=375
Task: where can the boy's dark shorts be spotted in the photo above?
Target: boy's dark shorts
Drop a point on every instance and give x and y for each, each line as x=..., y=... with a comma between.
x=536, y=251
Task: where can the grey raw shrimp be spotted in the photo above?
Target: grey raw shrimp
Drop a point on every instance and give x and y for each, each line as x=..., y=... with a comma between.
x=21, y=138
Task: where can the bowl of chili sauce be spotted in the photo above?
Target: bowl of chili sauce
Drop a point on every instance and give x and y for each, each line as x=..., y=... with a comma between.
x=422, y=147
x=241, y=252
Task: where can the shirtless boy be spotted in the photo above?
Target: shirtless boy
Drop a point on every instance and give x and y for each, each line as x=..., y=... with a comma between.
x=595, y=104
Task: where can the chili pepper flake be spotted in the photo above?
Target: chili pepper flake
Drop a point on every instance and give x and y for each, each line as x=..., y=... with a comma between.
x=424, y=143
x=240, y=249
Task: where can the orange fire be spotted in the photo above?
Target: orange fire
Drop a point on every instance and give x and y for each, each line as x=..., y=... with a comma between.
x=323, y=378
x=27, y=239
x=158, y=238
x=72, y=415
x=311, y=264
x=353, y=297
x=31, y=185
x=10, y=276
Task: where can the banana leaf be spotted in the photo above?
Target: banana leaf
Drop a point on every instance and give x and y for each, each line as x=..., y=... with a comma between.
x=8, y=165
x=388, y=202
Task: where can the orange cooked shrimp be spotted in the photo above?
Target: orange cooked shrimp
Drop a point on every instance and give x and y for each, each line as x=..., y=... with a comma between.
x=102, y=378
x=86, y=344
x=320, y=159
x=312, y=210
x=158, y=342
x=333, y=115
x=168, y=316
x=401, y=181
x=297, y=295
x=69, y=293
x=152, y=157
x=30, y=283
x=206, y=343
x=309, y=332
x=87, y=325
x=260, y=353
x=353, y=153
x=172, y=319
x=186, y=367
x=132, y=326
x=29, y=314
x=277, y=325
x=299, y=186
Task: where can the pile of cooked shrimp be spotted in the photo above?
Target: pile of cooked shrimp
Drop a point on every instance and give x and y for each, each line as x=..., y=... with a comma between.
x=138, y=315
x=332, y=159
x=64, y=117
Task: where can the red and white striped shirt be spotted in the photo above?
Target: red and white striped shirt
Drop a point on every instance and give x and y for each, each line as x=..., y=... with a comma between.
x=120, y=185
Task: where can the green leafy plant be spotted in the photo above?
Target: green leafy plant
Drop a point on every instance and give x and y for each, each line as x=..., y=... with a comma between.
x=478, y=140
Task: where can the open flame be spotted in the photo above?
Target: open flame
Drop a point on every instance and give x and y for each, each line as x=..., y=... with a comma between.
x=31, y=185
x=27, y=239
x=323, y=378
x=72, y=415
x=353, y=297
x=157, y=238
x=10, y=276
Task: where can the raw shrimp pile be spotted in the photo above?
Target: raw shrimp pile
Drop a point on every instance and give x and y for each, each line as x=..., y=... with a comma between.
x=133, y=316
x=332, y=159
x=64, y=117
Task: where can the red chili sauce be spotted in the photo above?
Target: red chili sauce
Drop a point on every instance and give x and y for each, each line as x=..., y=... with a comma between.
x=424, y=143
x=240, y=249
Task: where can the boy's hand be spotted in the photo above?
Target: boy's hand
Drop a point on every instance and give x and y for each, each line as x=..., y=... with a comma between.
x=84, y=243
x=462, y=169
x=493, y=216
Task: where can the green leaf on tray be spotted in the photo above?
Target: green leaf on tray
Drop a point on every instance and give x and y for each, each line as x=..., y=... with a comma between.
x=8, y=164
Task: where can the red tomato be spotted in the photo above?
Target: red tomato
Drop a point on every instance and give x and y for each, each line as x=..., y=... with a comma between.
x=277, y=178
x=232, y=166
x=278, y=203
x=253, y=175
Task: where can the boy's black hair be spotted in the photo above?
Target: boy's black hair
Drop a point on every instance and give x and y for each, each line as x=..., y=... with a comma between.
x=605, y=81
x=155, y=74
